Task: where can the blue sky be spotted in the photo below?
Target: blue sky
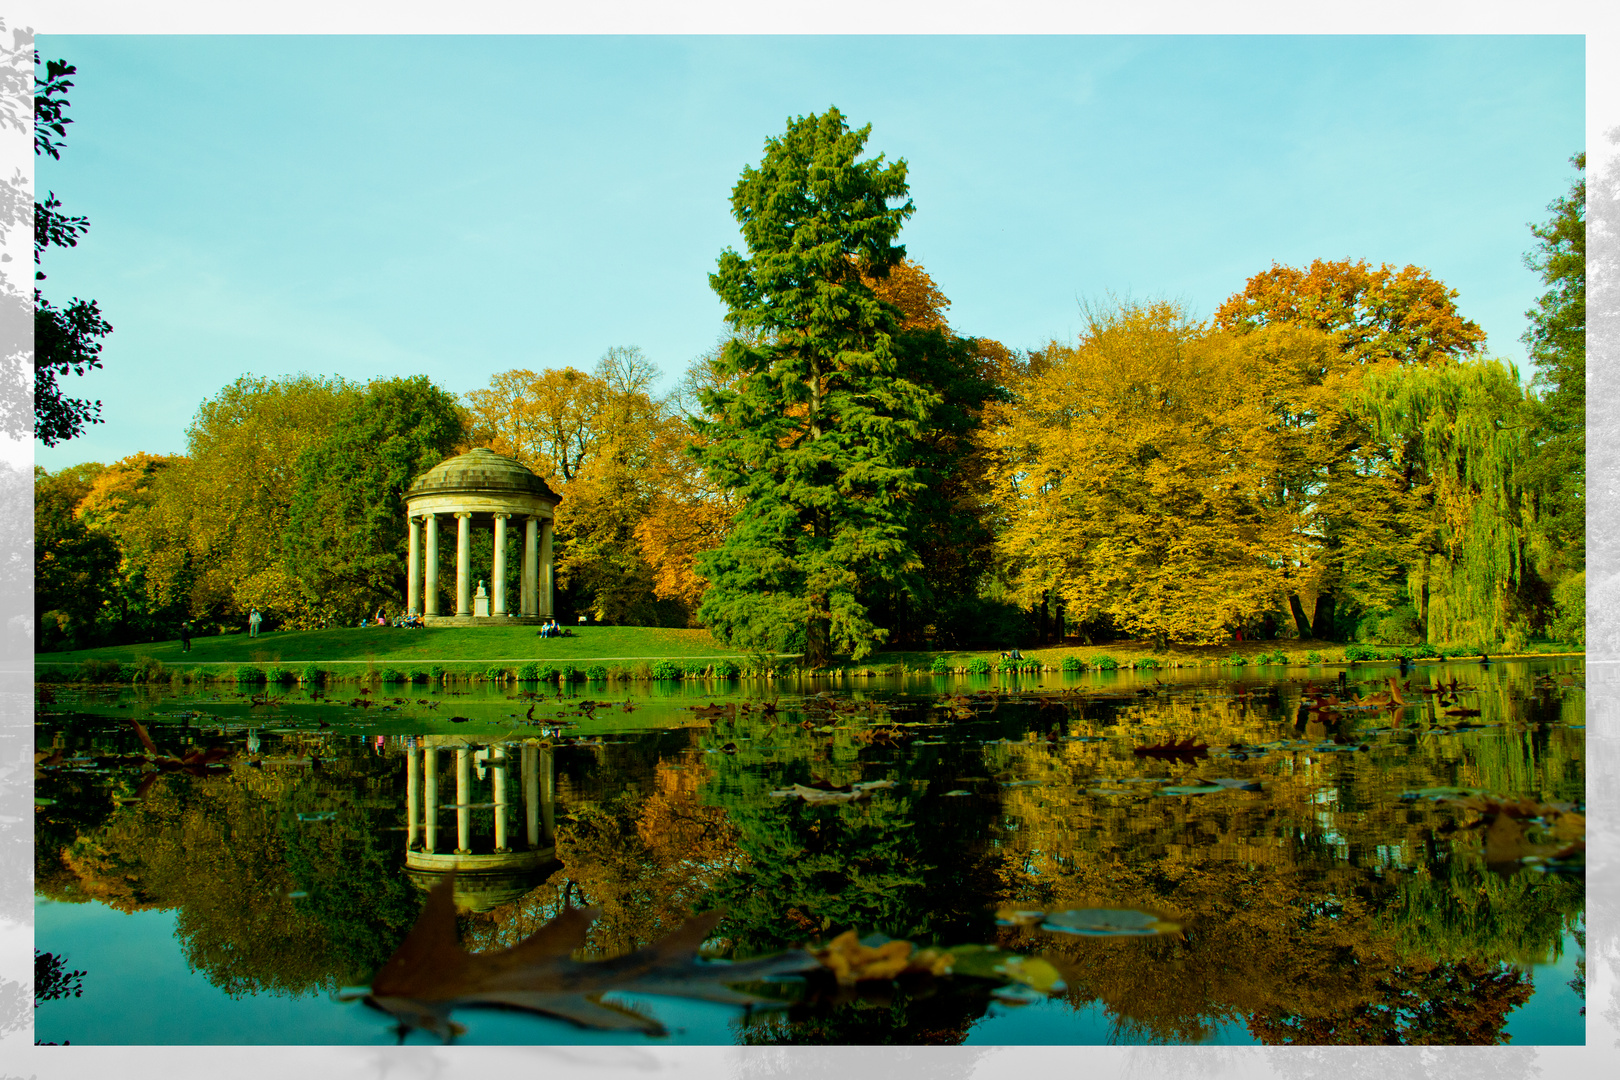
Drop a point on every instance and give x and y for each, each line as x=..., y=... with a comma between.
x=460, y=206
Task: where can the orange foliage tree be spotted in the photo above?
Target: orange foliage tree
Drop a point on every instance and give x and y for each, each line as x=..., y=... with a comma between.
x=1374, y=319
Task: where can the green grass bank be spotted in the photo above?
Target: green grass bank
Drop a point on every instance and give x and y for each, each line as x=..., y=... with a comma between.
x=476, y=652
x=391, y=645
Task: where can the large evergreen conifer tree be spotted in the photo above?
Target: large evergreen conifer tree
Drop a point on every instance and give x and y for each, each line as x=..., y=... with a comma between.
x=813, y=425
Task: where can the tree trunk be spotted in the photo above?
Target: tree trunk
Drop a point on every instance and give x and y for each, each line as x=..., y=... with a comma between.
x=1423, y=603
x=1298, y=610
x=1322, y=618
x=817, y=646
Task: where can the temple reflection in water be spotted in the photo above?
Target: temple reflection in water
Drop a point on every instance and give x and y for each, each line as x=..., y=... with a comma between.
x=503, y=842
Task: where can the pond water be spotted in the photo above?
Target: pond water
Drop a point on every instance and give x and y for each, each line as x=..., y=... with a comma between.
x=1286, y=858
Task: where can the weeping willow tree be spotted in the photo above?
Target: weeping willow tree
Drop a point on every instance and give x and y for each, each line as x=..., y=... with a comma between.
x=1456, y=439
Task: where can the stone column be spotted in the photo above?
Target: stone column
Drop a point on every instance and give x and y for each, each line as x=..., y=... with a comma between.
x=498, y=761
x=545, y=567
x=463, y=801
x=463, y=563
x=431, y=607
x=548, y=798
x=430, y=784
x=531, y=794
x=413, y=566
x=413, y=797
x=531, y=552
x=497, y=577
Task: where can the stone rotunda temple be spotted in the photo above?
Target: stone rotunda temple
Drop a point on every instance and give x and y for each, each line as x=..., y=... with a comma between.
x=484, y=489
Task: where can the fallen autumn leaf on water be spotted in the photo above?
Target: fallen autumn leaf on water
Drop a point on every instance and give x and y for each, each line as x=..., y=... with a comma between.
x=431, y=974
x=1184, y=750
x=1524, y=829
x=196, y=762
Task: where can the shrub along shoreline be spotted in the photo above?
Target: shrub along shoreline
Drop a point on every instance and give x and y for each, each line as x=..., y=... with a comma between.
x=183, y=668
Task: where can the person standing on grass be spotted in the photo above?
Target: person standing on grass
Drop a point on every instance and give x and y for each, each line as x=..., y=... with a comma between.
x=254, y=620
x=185, y=637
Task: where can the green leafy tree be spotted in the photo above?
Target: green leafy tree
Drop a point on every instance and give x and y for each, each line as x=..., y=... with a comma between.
x=214, y=537
x=1557, y=342
x=814, y=427
x=950, y=516
x=75, y=566
x=345, y=536
x=1460, y=439
x=66, y=339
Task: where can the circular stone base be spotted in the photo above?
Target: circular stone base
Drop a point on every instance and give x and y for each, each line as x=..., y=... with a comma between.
x=484, y=620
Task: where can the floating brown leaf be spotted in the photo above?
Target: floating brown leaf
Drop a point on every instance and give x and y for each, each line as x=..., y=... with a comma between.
x=197, y=762
x=1519, y=829
x=430, y=974
x=1184, y=750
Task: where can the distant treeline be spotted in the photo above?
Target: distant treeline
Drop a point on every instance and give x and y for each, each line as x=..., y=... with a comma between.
x=1331, y=456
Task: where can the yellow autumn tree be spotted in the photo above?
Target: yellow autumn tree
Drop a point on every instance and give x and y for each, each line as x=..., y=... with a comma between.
x=599, y=438
x=687, y=514
x=1132, y=472
x=1374, y=319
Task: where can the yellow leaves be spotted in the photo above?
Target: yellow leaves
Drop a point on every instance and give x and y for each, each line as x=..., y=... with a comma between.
x=1132, y=472
x=125, y=485
x=909, y=288
x=851, y=962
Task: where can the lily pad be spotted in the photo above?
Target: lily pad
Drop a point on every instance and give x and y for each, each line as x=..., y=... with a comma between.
x=1016, y=917
x=1439, y=793
x=958, y=791
x=989, y=962
x=819, y=795
x=1107, y=922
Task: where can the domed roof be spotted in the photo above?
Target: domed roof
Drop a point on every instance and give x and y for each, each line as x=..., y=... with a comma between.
x=477, y=471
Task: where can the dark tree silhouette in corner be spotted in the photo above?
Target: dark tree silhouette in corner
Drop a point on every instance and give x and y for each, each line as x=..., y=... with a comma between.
x=66, y=339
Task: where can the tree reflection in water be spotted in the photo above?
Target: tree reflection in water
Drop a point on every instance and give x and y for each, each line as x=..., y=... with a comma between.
x=1323, y=908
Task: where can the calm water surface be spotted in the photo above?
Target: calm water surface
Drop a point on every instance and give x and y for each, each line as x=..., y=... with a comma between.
x=1326, y=888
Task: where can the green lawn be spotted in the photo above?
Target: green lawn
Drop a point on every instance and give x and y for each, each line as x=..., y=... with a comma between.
x=388, y=645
